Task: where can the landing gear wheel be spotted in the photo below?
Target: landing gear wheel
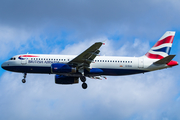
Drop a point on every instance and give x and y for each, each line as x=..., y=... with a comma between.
x=23, y=80
x=84, y=85
x=83, y=78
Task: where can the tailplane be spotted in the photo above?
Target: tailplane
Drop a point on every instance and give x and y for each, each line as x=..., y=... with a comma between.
x=163, y=46
x=165, y=60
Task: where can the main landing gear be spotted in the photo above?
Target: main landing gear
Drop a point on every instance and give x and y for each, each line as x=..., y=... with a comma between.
x=24, y=79
x=83, y=79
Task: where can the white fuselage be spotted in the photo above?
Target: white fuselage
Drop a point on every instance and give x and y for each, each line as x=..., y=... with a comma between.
x=41, y=63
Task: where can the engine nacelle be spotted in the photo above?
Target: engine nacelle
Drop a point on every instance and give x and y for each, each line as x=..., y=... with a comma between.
x=61, y=79
x=62, y=68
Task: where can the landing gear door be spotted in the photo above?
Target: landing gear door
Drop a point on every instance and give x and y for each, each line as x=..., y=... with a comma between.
x=141, y=63
x=24, y=61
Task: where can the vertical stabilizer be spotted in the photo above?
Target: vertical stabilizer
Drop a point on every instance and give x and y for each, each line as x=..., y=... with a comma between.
x=163, y=46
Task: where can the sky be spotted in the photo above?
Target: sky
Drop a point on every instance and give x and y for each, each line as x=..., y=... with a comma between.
x=129, y=28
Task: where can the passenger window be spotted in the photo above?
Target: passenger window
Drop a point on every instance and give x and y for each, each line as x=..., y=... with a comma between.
x=31, y=58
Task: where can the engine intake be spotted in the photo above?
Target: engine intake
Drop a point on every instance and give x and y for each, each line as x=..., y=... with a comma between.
x=61, y=79
x=62, y=68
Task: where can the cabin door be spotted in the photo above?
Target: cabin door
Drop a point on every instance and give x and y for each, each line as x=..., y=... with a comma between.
x=24, y=61
x=141, y=63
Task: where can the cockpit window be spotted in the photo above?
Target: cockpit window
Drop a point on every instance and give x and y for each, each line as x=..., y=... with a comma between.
x=13, y=58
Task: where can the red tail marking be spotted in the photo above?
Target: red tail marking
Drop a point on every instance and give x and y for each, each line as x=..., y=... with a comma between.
x=154, y=56
x=168, y=39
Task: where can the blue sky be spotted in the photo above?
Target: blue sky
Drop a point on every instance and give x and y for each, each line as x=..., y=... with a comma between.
x=130, y=28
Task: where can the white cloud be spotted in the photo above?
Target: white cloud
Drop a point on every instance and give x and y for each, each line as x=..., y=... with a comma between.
x=12, y=39
x=111, y=47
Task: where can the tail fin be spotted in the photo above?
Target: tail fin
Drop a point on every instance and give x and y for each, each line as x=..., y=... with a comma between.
x=163, y=46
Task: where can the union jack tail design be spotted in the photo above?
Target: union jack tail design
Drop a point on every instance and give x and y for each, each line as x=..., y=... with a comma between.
x=162, y=48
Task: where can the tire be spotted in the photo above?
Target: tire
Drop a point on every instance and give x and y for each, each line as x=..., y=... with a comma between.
x=23, y=80
x=84, y=85
x=83, y=78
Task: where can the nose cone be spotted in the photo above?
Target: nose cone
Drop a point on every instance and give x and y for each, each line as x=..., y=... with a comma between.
x=4, y=65
x=8, y=66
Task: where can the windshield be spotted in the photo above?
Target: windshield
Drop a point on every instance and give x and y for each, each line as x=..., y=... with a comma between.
x=13, y=58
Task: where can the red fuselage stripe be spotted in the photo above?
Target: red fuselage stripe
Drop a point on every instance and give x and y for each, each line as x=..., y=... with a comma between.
x=28, y=56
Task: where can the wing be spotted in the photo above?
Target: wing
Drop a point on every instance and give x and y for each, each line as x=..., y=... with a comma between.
x=83, y=60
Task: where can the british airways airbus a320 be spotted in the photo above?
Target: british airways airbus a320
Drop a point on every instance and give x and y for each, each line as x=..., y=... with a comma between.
x=69, y=68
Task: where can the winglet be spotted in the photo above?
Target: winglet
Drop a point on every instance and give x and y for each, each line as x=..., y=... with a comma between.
x=103, y=42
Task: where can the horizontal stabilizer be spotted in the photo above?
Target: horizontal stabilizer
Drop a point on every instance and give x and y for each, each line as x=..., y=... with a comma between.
x=165, y=60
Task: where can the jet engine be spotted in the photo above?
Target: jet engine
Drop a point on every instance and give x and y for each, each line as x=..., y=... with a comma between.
x=62, y=68
x=61, y=79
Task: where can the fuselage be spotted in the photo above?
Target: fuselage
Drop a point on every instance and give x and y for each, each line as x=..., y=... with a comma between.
x=110, y=65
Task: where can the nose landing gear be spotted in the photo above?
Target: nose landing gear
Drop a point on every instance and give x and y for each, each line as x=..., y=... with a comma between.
x=24, y=79
x=83, y=79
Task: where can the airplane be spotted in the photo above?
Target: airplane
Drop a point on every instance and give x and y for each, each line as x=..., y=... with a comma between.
x=68, y=69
